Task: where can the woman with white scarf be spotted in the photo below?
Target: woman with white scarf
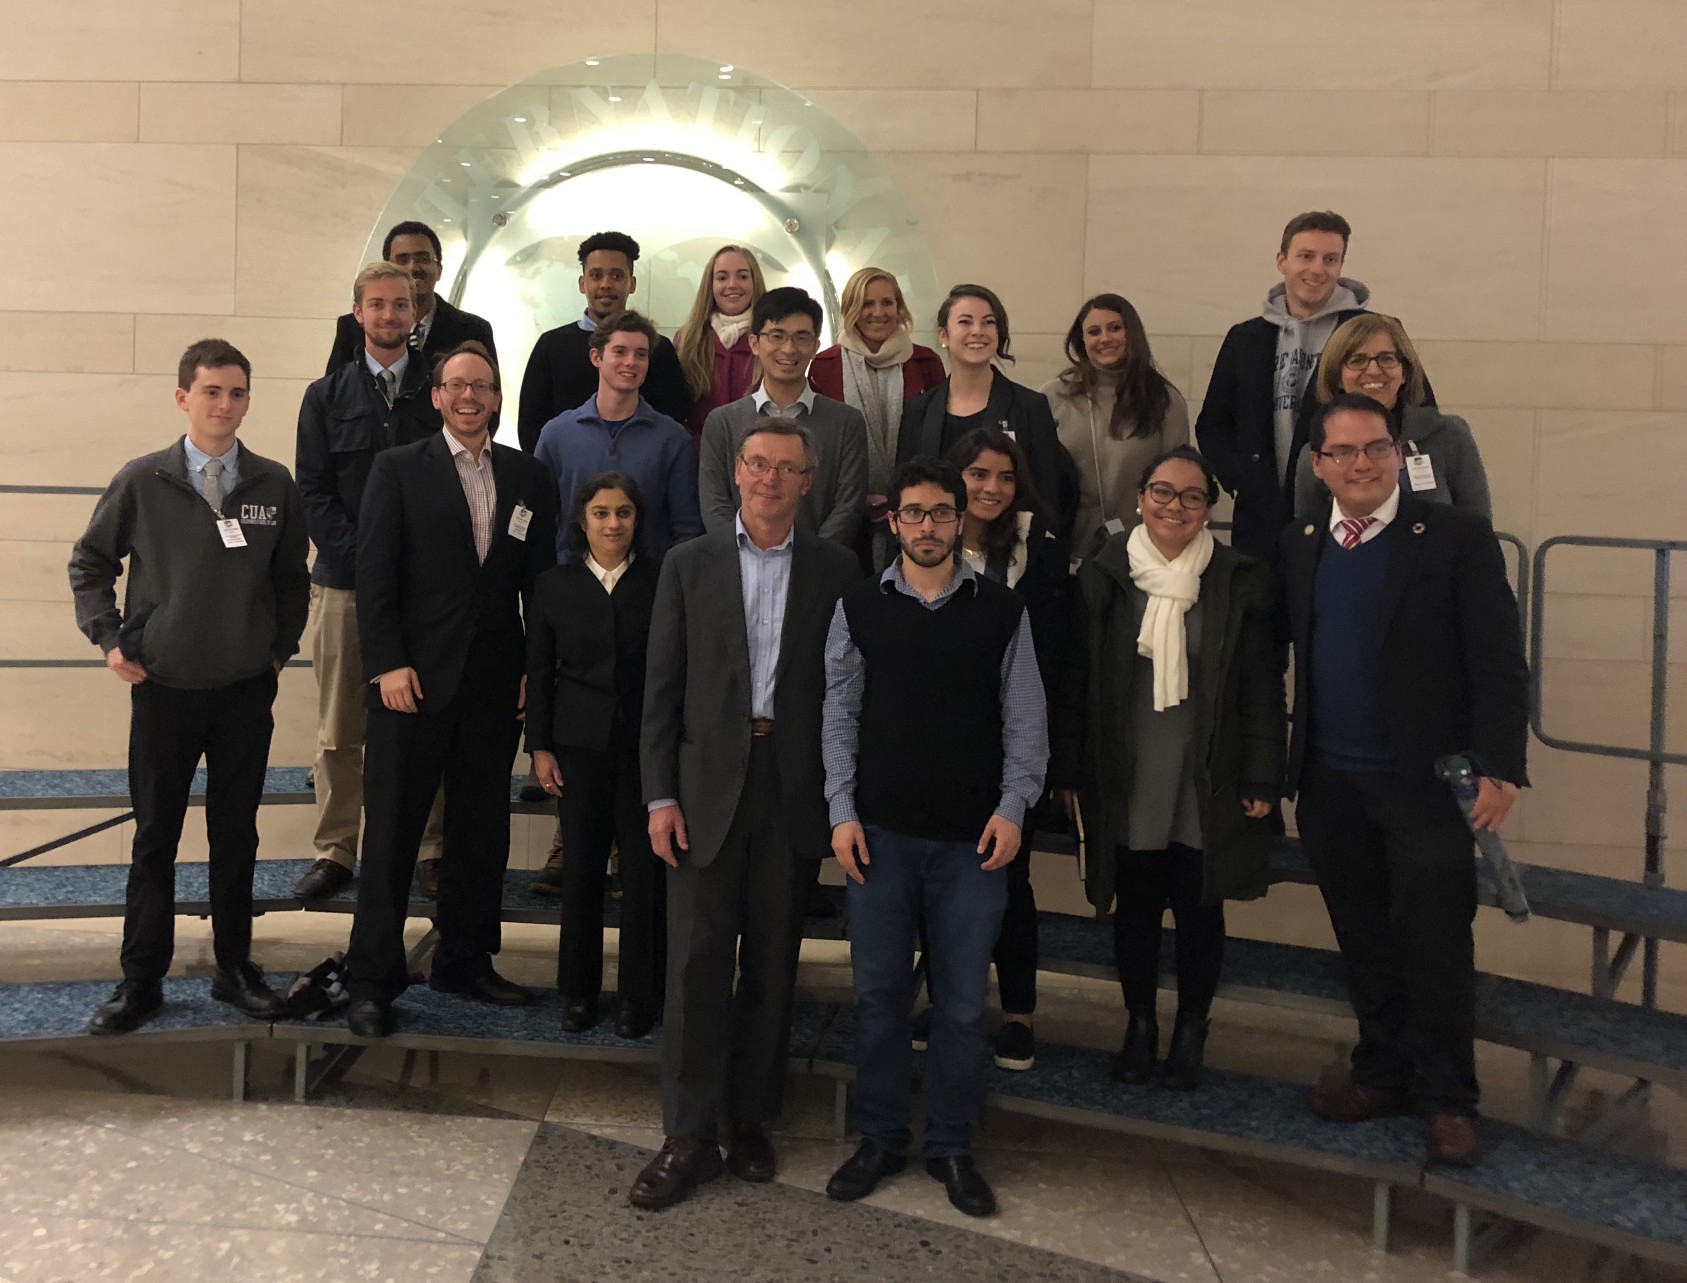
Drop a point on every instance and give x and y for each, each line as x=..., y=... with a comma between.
x=1170, y=733
x=876, y=367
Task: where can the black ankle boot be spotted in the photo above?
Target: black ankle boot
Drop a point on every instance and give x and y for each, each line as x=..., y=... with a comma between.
x=1187, y=1051
x=1134, y=1065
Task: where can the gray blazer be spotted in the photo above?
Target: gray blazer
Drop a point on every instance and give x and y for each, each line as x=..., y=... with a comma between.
x=835, y=503
x=695, y=745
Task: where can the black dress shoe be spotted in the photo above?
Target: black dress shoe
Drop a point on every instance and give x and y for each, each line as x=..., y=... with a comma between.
x=369, y=1018
x=1134, y=1065
x=968, y=1191
x=633, y=1020
x=579, y=1016
x=243, y=986
x=488, y=986
x=1182, y=1071
x=427, y=879
x=862, y=1171
x=751, y=1156
x=680, y=1167
x=131, y=1004
x=324, y=878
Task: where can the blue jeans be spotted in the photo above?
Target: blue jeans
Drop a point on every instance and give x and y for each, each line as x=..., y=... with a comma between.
x=963, y=908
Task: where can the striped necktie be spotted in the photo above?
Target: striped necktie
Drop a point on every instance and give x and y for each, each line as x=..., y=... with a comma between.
x=1352, y=528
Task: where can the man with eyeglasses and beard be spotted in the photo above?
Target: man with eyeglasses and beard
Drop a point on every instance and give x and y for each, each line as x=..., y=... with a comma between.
x=454, y=531
x=730, y=762
x=1407, y=649
x=935, y=742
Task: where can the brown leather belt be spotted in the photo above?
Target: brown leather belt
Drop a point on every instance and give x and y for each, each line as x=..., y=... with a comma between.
x=760, y=726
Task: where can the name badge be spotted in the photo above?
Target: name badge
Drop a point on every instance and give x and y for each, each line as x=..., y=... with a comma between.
x=1420, y=472
x=233, y=535
x=1115, y=527
x=520, y=519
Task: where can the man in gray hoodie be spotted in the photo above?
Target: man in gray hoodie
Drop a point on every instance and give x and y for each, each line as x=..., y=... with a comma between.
x=1246, y=427
x=218, y=593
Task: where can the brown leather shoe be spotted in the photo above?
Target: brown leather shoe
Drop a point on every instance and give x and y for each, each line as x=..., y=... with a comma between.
x=751, y=1157
x=324, y=878
x=1355, y=1103
x=680, y=1167
x=548, y=881
x=1451, y=1139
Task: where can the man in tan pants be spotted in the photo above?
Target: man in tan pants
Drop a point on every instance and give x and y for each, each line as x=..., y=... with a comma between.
x=379, y=400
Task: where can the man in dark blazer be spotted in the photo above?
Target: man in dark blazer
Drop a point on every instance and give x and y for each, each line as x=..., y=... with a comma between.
x=1407, y=648
x=453, y=533
x=733, y=782
x=439, y=327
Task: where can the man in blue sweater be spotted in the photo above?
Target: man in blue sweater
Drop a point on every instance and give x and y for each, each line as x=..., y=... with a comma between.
x=618, y=431
x=1407, y=648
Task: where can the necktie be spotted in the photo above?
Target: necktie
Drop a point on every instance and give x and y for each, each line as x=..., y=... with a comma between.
x=1352, y=528
x=389, y=386
x=416, y=337
x=214, y=485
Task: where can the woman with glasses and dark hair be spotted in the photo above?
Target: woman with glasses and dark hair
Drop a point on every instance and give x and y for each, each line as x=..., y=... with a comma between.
x=1170, y=732
x=1115, y=413
x=714, y=343
x=876, y=367
x=1006, y=535
x=586, y=639
x=1372, y=356
x=972, y=325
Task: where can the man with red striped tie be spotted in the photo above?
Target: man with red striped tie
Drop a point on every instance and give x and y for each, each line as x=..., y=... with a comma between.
x=1407, y=648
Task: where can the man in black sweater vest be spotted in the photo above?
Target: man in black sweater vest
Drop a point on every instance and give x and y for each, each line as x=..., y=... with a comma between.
x=1407, y=648
x=935, y=741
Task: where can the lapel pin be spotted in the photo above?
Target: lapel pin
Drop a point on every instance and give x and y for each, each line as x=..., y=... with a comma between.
x=1418, y=528
x=1309, y=529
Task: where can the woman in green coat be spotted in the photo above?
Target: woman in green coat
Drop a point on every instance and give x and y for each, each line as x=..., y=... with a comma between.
x=1171, y=731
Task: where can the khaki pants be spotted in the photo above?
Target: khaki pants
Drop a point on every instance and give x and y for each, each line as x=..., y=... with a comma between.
x=339, y=732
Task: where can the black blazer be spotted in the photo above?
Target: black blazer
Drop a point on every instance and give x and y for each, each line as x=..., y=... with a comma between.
x=344, y=422
x=561, y=377
x=1453, y=674
x=423, y=600
x=1014, y=408
x=696, y=741
x=585, y=656
x=1045, y=588
x=450, y=327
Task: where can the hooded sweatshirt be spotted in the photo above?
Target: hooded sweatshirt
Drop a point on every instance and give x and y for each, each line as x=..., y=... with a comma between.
x=1299, y=345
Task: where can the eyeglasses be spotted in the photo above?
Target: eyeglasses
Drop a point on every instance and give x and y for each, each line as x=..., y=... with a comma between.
x=779, y=338
x=456, y=387
x=422, y=258
x=760, y=467
x=1163, y=492
x=1343, y=456
x=914, y=515
x=1357, y=361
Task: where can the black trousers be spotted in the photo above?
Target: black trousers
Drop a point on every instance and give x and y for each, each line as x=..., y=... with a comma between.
x=1148, y=883
x=169, y=731
x=1394, y=860
x=725, y=1046
x=469, y=746
x=601, y=804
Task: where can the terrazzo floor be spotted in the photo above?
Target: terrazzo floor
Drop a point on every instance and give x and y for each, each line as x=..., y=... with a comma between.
x=131, y=1163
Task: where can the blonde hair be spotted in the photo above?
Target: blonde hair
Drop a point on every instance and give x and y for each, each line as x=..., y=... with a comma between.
x=854, y=297
x=696, y=343
x=1353, y=334
x=382, y=271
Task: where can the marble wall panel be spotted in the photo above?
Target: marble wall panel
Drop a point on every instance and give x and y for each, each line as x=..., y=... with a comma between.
x=238, y=113
x=404, y=115
x=46, y=516
x=1487, y=122
x=102, y=421
x=277, y=347
x=1620, y=44
x=1089, y=120
x=68, y=111
x=1614, y=376
x=67, y=342
x=1369, y=122
x=922, y=120
x=120, y=40
x=41, y=629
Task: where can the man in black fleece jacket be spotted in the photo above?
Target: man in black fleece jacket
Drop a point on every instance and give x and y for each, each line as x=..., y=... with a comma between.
x=217, y=599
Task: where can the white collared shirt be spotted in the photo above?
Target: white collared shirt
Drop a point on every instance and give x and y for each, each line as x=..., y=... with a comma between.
x=608, y=578
x=764, y=403
x=1386, y=511
x=397, y=367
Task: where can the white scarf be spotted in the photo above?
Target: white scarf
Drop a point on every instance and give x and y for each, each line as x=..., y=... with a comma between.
x=729, y=329
x=1172, y=588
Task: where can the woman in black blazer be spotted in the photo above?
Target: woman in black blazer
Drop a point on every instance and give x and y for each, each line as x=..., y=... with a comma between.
x=972, y=325
x=1007, y=535
x=585, y=699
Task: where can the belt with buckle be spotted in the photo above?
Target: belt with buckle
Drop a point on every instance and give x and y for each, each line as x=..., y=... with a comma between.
x=760, y=726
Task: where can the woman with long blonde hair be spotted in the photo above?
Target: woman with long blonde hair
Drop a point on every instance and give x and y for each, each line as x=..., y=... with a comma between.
x=714, y=342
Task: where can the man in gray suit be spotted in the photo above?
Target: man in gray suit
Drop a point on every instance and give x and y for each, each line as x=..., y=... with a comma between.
x=730, y=758
x=784, y=335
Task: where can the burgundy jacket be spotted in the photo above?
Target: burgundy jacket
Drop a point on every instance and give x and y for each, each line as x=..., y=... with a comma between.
x=734, y=377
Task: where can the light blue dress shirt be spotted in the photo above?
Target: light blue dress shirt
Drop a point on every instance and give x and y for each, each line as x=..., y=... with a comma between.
x=766, y=578
x=197, y=459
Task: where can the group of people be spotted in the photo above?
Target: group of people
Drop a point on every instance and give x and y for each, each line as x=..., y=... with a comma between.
x=754, y=602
